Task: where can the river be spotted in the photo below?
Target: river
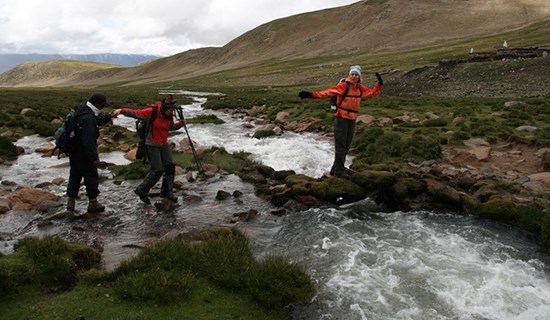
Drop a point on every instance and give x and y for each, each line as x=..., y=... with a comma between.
x=368, y=262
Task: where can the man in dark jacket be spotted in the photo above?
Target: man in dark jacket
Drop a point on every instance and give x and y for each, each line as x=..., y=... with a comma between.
x=84, y=160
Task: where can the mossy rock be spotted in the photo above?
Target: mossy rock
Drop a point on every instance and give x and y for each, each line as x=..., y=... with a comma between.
x=298, y=179
x=499, y=209
x=343, y=191
x=372, y=180
x=264, y=134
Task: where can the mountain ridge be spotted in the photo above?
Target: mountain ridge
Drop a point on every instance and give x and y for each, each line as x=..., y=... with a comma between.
x=363, y=28
x=11, y=60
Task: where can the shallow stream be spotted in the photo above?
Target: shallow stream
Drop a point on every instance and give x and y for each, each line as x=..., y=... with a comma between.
x=367, y=262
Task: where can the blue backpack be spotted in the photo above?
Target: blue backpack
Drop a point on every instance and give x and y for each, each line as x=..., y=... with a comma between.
x=66, y=137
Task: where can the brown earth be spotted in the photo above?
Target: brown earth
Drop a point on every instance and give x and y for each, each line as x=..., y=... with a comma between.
x=514, y=163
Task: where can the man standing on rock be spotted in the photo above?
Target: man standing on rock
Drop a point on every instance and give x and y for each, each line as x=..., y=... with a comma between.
x=349, y=94
x=160, y=120
x=84, y=160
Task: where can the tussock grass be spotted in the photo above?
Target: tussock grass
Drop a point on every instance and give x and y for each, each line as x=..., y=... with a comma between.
x=217, y=278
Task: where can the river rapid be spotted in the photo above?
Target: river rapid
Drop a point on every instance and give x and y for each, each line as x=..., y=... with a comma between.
x=367, y=262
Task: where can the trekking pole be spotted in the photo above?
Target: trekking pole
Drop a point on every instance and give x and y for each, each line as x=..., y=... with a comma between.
x=197, y=161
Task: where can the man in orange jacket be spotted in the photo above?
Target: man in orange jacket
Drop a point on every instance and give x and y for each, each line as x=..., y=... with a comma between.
x=349, y=94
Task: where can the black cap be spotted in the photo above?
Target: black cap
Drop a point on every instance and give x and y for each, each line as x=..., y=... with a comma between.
x=100, y=98
x=168, y=105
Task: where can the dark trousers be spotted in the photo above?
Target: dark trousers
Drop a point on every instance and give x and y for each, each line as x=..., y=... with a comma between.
x=81, y=167
x=344, y=130
x=161, y=161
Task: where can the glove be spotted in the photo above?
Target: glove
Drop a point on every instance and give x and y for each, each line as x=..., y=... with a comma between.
x=380, y=81
x=305, y=94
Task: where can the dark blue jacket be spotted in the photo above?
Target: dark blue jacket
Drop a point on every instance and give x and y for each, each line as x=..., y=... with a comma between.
x=88, y=131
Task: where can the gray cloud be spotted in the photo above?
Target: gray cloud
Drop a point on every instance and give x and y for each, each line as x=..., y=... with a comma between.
x=160, y=27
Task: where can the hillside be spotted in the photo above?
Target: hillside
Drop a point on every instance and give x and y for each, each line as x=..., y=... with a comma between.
x=51, y=73
x=291, y=46
x=11, y=60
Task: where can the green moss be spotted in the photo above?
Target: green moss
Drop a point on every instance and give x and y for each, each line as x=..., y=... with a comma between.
x=499, y=209
x=260, y=134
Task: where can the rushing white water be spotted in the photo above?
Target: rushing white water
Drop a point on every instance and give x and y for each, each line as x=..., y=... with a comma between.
x=367, y=263
x=306, y=153
x=376, y=265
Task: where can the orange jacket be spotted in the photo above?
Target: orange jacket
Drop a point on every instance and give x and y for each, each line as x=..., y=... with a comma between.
x=348, y=108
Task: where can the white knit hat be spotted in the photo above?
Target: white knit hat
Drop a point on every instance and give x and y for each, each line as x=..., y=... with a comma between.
x=356, y=69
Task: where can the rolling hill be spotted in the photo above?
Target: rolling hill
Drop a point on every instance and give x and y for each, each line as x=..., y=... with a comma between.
x=317, y=46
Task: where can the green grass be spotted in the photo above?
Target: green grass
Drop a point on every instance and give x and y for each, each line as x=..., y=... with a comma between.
x=218, y=278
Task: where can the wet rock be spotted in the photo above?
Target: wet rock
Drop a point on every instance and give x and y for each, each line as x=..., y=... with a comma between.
x=30, y=199
x=306, y=125
x=509, y=104
x=278, y=212
x=46, y=147
x=527, y=128
x=244, y=216
x=5, y=205
x=281, y=117
x=222, y=195
x=58, y=181
x=237, y=193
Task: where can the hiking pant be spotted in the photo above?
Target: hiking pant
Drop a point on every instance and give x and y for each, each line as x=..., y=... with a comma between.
x=81, y=167
x=344, y=130
x=160, y=159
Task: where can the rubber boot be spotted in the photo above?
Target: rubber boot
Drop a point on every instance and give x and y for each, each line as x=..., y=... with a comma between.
x=71, y=202
x=95, y=206
x=165, y=204
x=143, y=189
x=167, y=187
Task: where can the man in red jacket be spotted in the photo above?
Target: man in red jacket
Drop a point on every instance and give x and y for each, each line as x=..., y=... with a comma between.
x=160, y=120
x=349, y=94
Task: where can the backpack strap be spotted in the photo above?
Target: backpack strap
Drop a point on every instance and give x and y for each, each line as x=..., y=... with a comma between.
x=345, y=95
x=149, y=122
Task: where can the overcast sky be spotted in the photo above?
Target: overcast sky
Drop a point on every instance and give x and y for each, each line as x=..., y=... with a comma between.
x=158, y=27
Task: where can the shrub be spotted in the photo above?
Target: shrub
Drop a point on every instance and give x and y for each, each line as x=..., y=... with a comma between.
x=50, y=262
x=156, y=285
x=276, y=283
x=440, y=122
x=205, y=119
x=169, y=270
x=421, y=147
x=259, y=134
x=43, y=128
x=7, y=148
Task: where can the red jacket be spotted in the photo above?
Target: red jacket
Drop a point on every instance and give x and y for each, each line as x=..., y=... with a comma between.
x=350, y=106
x=158, y=136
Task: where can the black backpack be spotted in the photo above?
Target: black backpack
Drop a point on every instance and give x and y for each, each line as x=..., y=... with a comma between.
x=333, y=100
x=67, y=137
x=142, y=127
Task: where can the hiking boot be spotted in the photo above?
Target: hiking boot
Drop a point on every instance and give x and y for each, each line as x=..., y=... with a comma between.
x=143, y=196
x=95, y=206
x=165, y=204
x=170, y=197
x=71, y=202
